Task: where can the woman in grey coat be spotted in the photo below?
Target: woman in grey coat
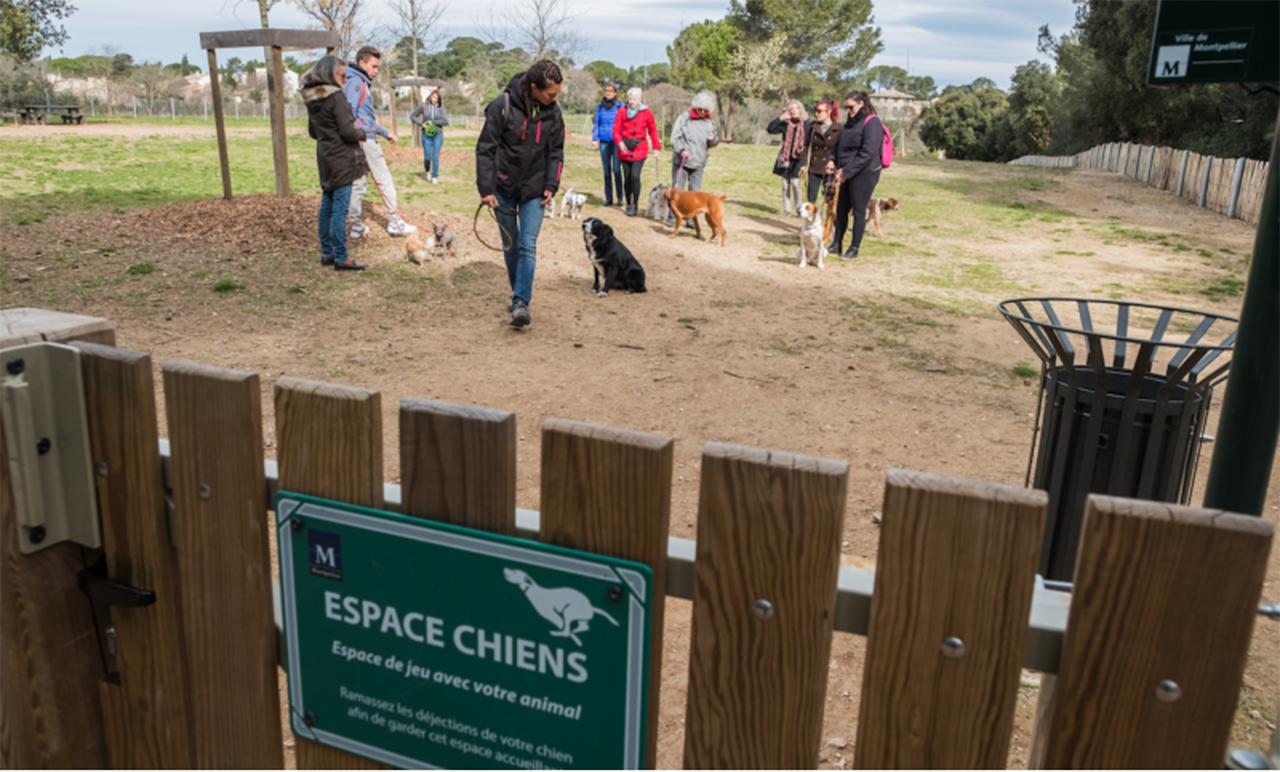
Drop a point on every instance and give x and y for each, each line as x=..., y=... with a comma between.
x=693, y=134
x=430, y=117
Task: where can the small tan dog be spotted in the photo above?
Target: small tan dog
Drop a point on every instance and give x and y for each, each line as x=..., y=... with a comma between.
x=830, y=196
x=688, y=204
x=813, y=248
x=877, y=207
x=418, y=246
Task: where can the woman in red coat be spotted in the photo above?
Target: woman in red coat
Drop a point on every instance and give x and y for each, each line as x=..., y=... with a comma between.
x=631, y=127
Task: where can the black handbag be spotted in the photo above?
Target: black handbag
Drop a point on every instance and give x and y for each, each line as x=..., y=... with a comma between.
x=632, y=144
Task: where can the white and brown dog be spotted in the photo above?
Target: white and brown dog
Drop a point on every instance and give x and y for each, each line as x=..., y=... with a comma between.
x=813, y=247
x=877, y=207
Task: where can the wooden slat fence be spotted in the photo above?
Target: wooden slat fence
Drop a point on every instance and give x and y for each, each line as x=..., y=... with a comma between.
x=193, y=685
x=1230, y=186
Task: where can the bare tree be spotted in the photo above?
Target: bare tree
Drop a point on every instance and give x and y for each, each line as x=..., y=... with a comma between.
x=336, y=16
x=543, y=28
x=418, y=22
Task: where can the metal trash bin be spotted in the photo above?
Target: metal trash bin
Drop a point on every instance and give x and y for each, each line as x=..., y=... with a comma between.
x=1125, y=390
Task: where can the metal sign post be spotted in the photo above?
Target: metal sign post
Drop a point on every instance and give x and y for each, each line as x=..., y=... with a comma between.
x=1236, y=41
x=418, y=644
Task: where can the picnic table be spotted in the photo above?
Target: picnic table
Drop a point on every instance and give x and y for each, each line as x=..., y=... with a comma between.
x=38, y=113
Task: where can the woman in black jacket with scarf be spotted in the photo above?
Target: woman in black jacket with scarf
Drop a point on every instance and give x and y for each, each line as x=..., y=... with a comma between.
x=339, y=156
x=856, y=164
x=793, y=155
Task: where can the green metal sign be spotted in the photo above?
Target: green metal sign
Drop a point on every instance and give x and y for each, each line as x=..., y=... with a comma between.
x=417, y=644
x=1215, y=41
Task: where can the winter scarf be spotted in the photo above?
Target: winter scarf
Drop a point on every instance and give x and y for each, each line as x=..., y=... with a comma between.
x=793, y=144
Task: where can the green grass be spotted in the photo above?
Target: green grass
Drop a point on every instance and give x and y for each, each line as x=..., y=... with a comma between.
x=225, y=285
x=140, y=269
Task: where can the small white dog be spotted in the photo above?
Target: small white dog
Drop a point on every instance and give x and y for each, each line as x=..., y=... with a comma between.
x=572, y=203
x=812, y=249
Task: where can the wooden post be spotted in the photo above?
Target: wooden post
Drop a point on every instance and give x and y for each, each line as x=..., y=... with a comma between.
x=627, y=519
x=50, y=656
x=279, y=130
x=330, y=445
x=1204, y=183
x=216, y=94
x=147, y=710
x=1163, y=604
x=768, y=555
x=955, y=574
x=458, y=465
x=219, y=495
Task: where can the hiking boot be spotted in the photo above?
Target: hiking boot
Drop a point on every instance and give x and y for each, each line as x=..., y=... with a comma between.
x=359, y=231
x=519, y=314
x=835, y=248
x=326, y=260
x=347, y=265
x=630, y=210
x=852, y=254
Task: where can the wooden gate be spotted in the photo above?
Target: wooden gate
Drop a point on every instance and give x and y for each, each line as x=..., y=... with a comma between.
x=1148, y=670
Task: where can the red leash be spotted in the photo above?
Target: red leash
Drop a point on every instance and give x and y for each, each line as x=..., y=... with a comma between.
x=390, y=207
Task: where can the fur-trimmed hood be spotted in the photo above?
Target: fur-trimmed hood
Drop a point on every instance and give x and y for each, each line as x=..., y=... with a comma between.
x=320, y=91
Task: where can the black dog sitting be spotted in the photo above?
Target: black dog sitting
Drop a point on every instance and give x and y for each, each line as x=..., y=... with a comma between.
x=615, y=266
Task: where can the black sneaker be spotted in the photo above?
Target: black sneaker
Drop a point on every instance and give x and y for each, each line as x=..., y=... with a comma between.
x=631, y=210
x=834, y=248
x=326, y=260
x=851, y=254
x=520, y=315
x=347, y=265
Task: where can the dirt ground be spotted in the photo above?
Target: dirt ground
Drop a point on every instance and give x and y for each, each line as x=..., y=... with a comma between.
x=871, y=361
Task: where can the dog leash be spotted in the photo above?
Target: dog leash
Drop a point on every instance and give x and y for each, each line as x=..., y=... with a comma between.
x=475, y=229
x=390, y=207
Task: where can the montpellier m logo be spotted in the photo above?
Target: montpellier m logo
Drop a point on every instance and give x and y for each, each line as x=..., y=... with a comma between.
x=1172, y=61
x=566, y=608
x=325, y=550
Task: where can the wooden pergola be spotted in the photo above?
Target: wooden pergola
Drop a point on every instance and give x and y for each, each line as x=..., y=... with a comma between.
x=276, y=40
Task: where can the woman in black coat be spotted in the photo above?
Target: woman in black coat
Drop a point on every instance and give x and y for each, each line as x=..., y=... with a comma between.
x=339, y=157
x=856, y=164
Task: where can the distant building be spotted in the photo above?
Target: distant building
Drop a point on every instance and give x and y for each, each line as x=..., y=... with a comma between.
x=895, y=105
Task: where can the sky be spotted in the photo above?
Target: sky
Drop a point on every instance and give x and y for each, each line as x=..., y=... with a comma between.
x=954, y=42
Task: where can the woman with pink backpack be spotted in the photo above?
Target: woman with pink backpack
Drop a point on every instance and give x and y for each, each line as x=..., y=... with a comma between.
x=856, y=160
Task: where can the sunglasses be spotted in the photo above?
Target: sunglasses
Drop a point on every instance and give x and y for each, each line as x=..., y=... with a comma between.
x=851, y=107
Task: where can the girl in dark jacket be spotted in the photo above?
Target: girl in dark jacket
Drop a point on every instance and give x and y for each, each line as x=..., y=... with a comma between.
x=856, y=164
x=792, y=155
x=824, y=132
x=340, y=159
x=519, y=159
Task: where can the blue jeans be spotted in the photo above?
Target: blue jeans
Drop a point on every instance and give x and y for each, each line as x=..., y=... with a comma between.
x=333, y=223
x=612, y=170
x=431, y=152
x=521, y=224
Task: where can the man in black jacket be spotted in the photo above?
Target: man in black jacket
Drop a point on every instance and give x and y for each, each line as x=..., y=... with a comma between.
x=519, y=160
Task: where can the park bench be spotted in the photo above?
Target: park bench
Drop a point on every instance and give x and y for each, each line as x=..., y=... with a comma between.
x=38, y=114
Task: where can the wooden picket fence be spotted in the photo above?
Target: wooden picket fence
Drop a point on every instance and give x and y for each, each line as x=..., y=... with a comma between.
x=1231, y=186
x=1162, y=594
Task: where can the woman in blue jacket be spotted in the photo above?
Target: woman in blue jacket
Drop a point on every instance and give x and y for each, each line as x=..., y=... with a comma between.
x=602, y=139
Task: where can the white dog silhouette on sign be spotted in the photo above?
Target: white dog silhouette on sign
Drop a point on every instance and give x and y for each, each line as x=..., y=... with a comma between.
x=566, y=608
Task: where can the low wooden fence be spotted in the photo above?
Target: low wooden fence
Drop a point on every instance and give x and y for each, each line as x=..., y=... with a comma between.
x=191, y=682
x=1231, y=186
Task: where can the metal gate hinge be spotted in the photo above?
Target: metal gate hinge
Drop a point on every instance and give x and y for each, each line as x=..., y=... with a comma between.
x=46, y=433
x=94, y=582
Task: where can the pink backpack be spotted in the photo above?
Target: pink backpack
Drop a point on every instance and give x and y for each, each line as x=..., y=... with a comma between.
x=886, y=149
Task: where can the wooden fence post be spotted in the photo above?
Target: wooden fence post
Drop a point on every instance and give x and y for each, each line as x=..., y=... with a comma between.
x=330, y=445
x=216, y=94
x=1235, y=187
x=50, y=660
x=1204, y=184
x=220, y=504
x=458, y=465
x=629, y=518
x=955, y=574
x=147, y=710
x=769, y=527
x=1182, y=172
x=1162, y=610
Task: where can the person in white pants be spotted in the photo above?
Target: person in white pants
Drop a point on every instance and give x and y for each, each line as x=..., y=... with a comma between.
x=359, y=79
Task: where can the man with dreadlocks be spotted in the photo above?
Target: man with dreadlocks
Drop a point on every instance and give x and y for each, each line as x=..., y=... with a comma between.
x=519, y=160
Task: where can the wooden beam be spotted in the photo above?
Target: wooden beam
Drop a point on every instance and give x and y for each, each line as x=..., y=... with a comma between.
x=629, y=518
x=769, y=528
x=1161, y=595
x=51, y=659
x=955, y=573
x=296, y=39
x=279, y=143
x=215, y=89
x=219, y=493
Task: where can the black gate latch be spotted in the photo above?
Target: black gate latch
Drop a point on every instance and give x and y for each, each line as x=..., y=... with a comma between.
x=95, y=583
